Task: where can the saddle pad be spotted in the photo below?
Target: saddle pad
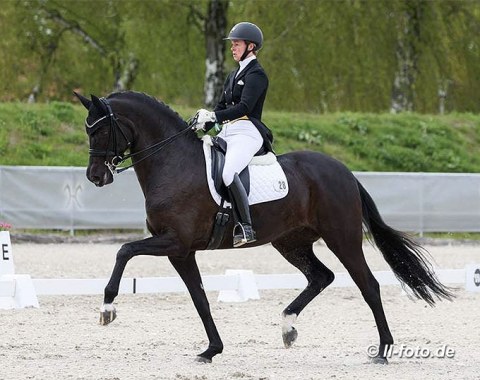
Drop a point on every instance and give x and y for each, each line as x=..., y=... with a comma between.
x=267, y=178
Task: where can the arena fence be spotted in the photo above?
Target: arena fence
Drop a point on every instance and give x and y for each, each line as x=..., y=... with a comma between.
x=20, y=290
x=62, y=198
x=237, y=285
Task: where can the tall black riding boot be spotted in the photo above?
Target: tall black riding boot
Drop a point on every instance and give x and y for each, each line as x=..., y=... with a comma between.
x=242, y=232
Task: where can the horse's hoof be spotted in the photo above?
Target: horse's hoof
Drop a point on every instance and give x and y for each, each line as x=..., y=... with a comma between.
x=201, y=359
x=289, y=337
x=379, y=360
x=107, y=314
x=209, y=353
x=107, y=317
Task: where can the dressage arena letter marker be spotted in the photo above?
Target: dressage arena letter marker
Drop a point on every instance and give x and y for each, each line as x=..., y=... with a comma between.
x=5, y=252
x=16, y=291
x=472, y=278
x=6, y=262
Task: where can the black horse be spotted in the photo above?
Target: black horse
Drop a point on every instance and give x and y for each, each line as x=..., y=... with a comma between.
x=325, y=201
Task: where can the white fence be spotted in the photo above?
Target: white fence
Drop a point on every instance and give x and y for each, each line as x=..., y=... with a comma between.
x=19, y=290
x=238, y=285
x=62, y=198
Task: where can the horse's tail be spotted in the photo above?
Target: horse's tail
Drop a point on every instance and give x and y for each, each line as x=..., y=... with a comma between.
x=407, y=259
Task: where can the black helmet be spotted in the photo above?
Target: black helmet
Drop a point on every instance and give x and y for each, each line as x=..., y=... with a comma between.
x=248, y=32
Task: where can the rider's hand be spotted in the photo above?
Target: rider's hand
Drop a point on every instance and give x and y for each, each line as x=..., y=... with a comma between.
x=202, y=117
x=205, y=116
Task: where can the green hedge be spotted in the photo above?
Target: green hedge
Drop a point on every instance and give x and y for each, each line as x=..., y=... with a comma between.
x=53, y=134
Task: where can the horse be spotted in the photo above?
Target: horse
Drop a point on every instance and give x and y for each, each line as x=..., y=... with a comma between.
x=325, y=201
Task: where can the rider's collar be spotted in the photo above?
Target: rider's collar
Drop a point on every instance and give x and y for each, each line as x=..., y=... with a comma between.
x=245, y=62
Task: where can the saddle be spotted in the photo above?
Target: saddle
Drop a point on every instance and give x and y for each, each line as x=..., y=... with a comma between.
x=218, y=151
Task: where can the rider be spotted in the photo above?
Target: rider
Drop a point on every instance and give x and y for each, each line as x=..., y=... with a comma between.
x=240, y=111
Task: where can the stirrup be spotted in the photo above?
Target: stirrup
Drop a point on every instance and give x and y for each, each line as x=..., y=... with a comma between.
x=243, y=233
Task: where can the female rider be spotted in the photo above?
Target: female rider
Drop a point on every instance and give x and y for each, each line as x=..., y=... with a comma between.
x=239, y=110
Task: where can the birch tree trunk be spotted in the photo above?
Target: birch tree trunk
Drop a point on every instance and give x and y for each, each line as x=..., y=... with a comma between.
x=125, y=73
x=215, y=30
x=443, y=94
x=407, y=53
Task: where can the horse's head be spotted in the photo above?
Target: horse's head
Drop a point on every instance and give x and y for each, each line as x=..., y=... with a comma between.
x=108, y=139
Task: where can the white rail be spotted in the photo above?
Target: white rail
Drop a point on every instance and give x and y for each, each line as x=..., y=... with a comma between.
x=63, y=199
x=232, y=281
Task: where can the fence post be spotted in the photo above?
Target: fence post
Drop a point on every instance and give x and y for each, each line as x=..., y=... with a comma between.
x=247, y=287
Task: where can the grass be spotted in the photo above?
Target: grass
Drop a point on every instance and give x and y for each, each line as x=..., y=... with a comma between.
x=473, y=236
x=384, y=142
x=42, y=134
x=53, y=135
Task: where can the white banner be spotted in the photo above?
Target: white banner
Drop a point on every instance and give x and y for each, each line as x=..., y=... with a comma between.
x=62, y=198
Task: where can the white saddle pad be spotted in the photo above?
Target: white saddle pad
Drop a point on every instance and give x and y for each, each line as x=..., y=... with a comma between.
x=267, y=178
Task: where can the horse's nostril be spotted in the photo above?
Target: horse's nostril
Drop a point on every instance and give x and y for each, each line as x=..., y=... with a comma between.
x=95, y=179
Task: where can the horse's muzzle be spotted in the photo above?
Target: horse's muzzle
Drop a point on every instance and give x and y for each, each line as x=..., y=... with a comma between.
x=99, y=175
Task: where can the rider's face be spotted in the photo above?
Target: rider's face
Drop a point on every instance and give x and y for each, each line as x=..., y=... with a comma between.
x=238, y=48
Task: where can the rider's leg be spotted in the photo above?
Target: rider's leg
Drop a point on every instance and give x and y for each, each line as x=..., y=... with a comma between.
x=243, y=141
x=243, y=232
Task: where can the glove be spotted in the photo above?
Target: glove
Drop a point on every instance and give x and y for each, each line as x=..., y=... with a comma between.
x=202, y=117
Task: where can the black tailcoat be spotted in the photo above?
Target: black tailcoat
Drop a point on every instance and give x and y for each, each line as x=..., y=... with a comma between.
x=244, y=95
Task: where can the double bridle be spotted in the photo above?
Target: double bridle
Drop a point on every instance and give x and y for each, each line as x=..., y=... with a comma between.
x=118, y=158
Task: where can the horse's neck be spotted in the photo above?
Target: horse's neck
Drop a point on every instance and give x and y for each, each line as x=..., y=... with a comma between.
x=173, y=167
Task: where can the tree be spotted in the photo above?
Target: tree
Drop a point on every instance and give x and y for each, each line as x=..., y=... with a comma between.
x=321, y=56
x=52, y=21
x=109, y=44
x=213, y=25
x=409, y=27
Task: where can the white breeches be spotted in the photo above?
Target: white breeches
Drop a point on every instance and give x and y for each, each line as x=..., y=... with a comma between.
x=243, y=141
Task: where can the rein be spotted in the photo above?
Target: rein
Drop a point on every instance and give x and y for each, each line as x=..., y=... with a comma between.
x=118, y=158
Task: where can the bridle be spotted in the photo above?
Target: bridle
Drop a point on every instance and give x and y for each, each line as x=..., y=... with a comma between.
x=117, y=157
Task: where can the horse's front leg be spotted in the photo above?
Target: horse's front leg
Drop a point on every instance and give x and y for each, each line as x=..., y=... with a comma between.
x=187, y=268
x=163, y=245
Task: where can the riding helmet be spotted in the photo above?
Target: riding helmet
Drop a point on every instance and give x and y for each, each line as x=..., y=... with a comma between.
x=248, y=32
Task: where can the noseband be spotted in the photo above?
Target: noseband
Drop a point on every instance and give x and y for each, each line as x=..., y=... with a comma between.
x=118, y=158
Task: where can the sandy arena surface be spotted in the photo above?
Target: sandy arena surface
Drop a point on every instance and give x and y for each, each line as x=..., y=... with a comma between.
x=157, y=336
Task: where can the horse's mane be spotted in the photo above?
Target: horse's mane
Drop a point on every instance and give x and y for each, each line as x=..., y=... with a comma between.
x=150, y=100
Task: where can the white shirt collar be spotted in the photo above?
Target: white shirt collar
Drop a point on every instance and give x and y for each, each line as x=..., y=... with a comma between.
x=245, y=62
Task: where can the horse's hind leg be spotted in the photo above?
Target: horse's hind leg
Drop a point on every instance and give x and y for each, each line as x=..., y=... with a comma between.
x=318, y=277
x=350, y=253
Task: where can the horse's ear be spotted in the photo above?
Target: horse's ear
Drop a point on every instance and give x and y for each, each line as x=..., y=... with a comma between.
x=86, y=102
x=98, y=103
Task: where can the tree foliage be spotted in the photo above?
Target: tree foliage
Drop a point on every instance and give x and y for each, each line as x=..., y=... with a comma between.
x=321, y=55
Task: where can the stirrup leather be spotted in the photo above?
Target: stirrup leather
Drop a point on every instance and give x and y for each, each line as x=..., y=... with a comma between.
x=242, y=234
